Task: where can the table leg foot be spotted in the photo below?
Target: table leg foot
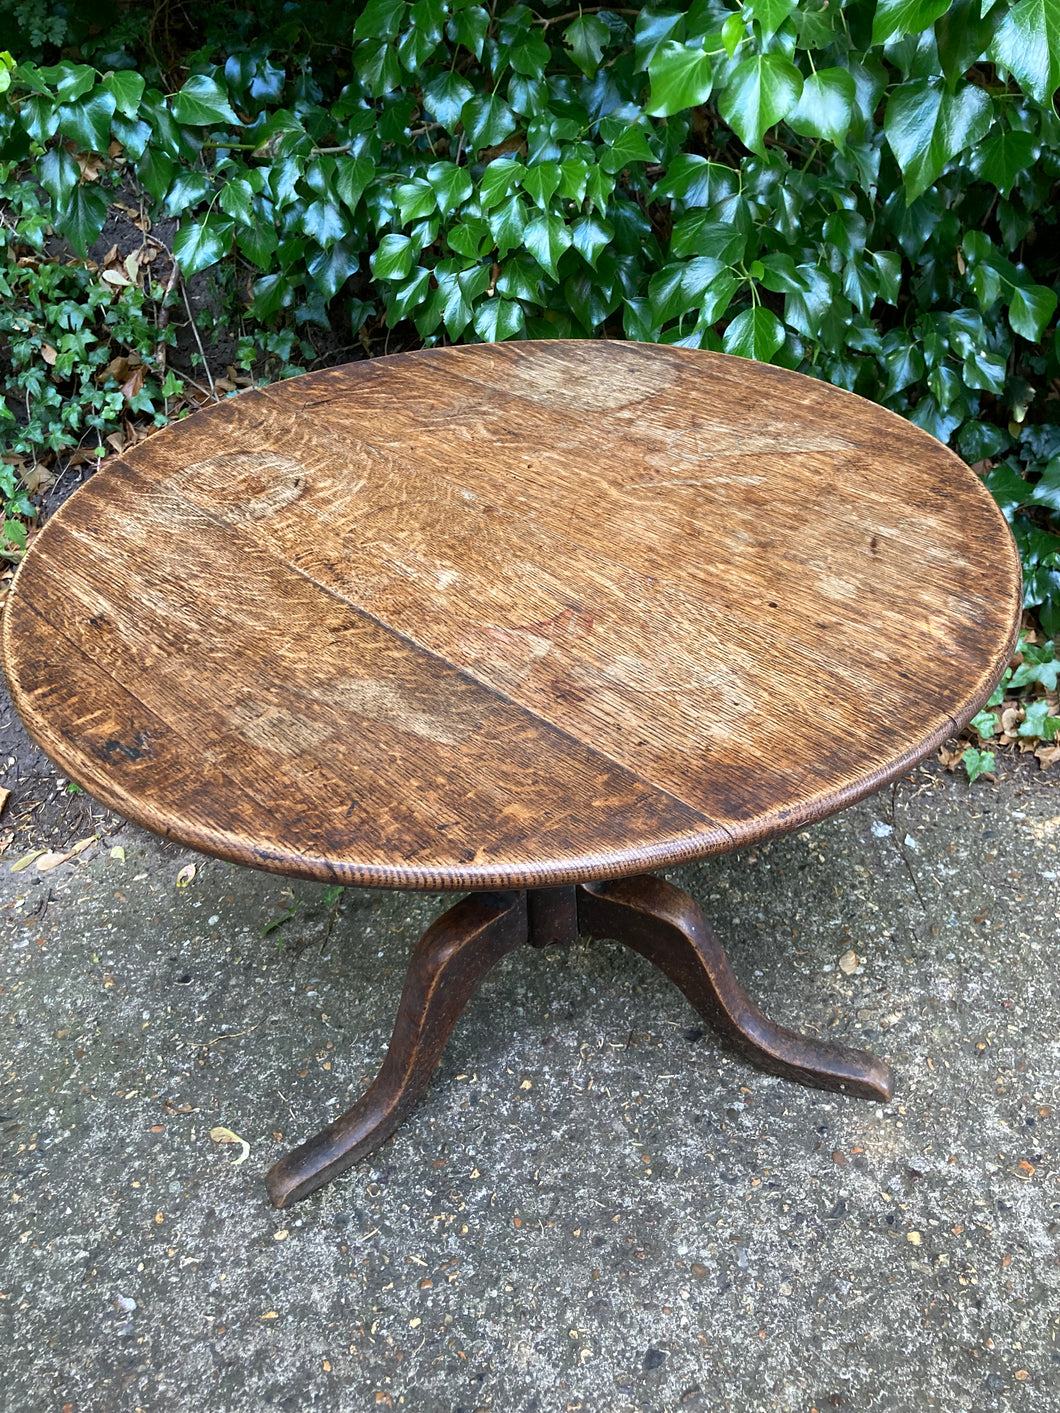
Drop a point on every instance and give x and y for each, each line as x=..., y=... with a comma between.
x=452, y=957
x=664, y=925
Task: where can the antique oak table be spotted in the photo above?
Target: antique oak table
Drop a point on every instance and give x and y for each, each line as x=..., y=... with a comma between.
x=527, y=620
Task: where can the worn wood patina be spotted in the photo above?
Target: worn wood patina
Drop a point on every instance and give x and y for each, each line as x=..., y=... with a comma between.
x=512, y=617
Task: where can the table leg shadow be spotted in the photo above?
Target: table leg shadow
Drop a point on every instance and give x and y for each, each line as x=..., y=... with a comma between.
x=645, y=913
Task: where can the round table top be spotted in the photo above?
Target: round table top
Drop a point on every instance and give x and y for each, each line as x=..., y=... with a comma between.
x=511, y=615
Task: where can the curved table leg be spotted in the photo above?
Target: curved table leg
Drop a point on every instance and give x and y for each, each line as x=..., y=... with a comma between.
x=452, y=957
x=665, y=926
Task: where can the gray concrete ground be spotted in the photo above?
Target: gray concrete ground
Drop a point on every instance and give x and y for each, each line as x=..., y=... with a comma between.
x=596, y=1207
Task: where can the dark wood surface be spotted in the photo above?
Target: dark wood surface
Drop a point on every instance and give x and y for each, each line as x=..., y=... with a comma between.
x=647, y=914
x=511, y=615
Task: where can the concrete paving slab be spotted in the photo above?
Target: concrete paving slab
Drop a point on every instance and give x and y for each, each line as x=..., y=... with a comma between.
x=596, y=1207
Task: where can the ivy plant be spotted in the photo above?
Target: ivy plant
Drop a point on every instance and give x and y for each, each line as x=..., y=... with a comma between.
x=861, y=189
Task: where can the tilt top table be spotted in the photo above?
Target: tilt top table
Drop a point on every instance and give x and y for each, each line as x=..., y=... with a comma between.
x=523, y=619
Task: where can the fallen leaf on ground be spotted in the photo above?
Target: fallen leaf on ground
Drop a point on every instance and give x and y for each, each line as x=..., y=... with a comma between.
x=47, y=861
x=951, y=759
x=50, y=860
x=225, y=1135
x=27, y=859
x=118, y=853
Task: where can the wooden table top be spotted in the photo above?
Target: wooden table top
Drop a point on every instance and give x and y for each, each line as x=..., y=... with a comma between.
x=508, y=615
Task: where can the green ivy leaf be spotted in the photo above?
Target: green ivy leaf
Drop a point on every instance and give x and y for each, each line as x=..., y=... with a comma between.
x=451, y=185
x=127, y=88
x=445, y=98
x=756, y=333
x=82, y=217
x=39, y=117
x=258, y=242
x=507, y=224
x=985, y=723
x=498, y=318
x=985, y=370
x=1030, y=310
x=977, y=763
x=591, y=235
x=271, y=294
x=352, y=175
x=394, y=258
x=1027, y=43
x=894, y=18
x=761, y=90
x=520, y=278
x=409, y=295
x=487, y=120
x=630, y=144
x=1037, y=721
x=585, y=39
x=682, y=287
x=1047, y=492
x=469, y=27
x=889, y=268
x=963, y=35
x=825, y=109
x=87, y=124
x=71, y=81
x=529, y=54
x=547, y=237
x=324, y=221
x=202, y=102
x=1004, y=157
x=681, y=77
x=331, y=268
x=236, y=199
x=780, y=276
x=155, y=171
x=926, y=127
x=133, y=134
x=1008, y=488
x=380, y=19
x=599, y=187
x=771, y=14
x=199, y=244
x=415, y=199
x=541, y=182
x=187, y=189
x=59, y=174
x=499, y=180
x=697, y=234
x=651, y=30
x=471, y=238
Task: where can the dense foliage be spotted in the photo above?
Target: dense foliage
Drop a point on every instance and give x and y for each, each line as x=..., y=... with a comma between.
x=864, y=190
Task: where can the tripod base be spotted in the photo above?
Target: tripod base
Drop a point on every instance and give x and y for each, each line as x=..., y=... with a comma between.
x=654, y=918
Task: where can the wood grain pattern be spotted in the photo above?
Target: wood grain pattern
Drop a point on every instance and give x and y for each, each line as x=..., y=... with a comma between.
x=511, y=615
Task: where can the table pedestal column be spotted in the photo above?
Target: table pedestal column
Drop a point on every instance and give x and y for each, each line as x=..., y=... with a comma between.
x=647, y=914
